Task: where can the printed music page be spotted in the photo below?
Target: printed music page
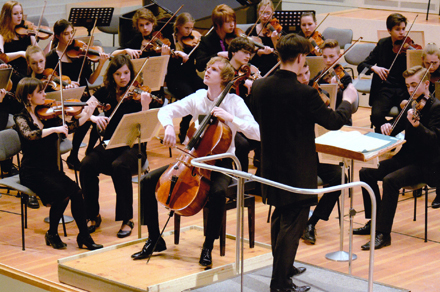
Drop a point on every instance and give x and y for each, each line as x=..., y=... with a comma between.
x=353, y=140
x=154, y=71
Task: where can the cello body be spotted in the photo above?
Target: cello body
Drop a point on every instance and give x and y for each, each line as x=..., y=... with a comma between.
x=184, y=188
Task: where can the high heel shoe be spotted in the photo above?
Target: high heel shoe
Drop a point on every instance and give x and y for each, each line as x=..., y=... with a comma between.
x=95, y=223
x=54, y=240
x=88, y=242
x=123, y=233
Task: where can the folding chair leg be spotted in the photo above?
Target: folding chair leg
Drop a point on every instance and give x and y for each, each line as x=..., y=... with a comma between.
x=23, y=211
x=426, y=213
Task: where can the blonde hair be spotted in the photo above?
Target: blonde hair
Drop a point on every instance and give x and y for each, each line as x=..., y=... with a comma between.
x=227, y=72
x=6, y=26
x=265, y=3
x=330, y=44
x=182, y=19
x=145, y=14
x=416, y=70
x=431, y=49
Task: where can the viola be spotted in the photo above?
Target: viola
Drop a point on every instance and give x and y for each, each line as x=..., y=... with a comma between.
x=54, y=80
x=78, y=49
x=135, y=91
x=184, y=188
x=316, y=40
x=192, y=40
x=407, y=45
x=27, y=28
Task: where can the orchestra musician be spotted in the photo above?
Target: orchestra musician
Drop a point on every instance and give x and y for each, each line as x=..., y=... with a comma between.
x=216, y=43
x=39, y=170
x=431, y=56
x=235, y=114
x=308, y=30
x=182, y=78
x=144, y=23
x=405, y=168
x=121, y=163
x=288, y=144
x=264, y=59
x=388, y=85
x=330, y=174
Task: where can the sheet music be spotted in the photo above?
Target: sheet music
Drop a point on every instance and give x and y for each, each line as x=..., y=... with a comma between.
x=154, y=71
x=353, y=140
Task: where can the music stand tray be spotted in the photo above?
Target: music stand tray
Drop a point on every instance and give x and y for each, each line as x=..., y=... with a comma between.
x=71, y=93
x=86, y=16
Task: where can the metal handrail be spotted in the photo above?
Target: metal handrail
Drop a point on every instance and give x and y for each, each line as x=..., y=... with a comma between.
x=241, y=176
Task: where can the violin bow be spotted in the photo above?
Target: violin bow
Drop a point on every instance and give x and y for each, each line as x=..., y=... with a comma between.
x=41, y=18
x=163, y=26
x=59, y=61
x=319, y=24
x=401, y=46
x=128, y=89
x=259, y=17
x=337, y=60
x=410, y=100
x=87, y=49
x=195, y=47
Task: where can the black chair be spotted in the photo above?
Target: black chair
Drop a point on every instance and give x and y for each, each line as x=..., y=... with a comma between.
x=415, y=189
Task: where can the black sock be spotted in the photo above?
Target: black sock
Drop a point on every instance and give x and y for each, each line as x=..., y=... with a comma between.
x=313, y=220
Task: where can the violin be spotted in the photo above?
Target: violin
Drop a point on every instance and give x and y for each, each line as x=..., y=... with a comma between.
x=323, y=96
x=156, y=45
x=51, y=108
x=78, y=49
x=54, y=81
x=135, y=91
x=408, y=44
x=271, y=26
x=316, y=40
x=27, y=28
x=192, y=40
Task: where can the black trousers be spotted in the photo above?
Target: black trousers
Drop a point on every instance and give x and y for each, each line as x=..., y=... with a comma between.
x=287, y=226
x=121, y=164
x=332, y=175
x=216, y=201
x=382, y=104
x=243, y=146
x=395, y=174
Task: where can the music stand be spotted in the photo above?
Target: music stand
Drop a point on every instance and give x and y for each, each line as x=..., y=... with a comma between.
x=141, y=126
x=5, y=75
x=86, y=17
x=291, y=19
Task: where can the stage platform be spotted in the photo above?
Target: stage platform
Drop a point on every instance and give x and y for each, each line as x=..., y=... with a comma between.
x=176, y=269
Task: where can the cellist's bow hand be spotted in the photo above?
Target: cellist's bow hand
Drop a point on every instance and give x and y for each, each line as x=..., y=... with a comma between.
x=386, y=129
x=382, y=72
x=170, y=136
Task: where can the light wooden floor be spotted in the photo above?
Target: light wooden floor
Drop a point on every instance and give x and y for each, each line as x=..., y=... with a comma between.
x=408, y=262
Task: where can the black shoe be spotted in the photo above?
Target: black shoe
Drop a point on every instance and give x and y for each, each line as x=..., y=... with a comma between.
x=148, y=249
x=33, y=202
x=95, y=223
x=88, y=242
x=309, y=234
x=296, y=271
x=206, y=257
x=380, y=241
x=123, y=233
x=73, y=163
x=294, y=288
x=436, y=202
x=364, y=230
x=54, y=240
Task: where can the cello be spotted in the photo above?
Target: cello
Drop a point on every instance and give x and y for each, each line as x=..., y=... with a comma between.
x=183, y=188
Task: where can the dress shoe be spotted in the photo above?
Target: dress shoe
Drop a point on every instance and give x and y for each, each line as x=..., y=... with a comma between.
x=95, y=223
x=125, y=233
x=296, y=271
x=54, y=240
x=364, y=230
x=294, y=288
x=206, y=257
x=436, y=202
x=88, y=242
x=73, y=163
x=309, y=234
x=33, y=202
x=380, y=241
x=147, y=250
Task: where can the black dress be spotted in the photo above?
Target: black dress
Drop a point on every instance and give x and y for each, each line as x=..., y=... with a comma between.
x=264, y=62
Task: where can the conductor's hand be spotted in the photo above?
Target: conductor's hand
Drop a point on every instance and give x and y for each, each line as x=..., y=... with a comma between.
x=222, y=114
x=170, y=136
x=350, y=94
x=382, y=72
x=386, y=129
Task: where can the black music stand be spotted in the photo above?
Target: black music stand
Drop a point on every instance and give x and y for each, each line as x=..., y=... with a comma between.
x=86, y=16
x=291, y=20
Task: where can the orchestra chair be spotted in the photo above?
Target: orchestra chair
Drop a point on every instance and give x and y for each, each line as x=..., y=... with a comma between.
x=231, y=203
x=316, y=64
x=10, y=146
x=415, y=189
x=354, y=57
x=413, y=58
x=11, y=122
x=343, y=36
x=417, y=36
